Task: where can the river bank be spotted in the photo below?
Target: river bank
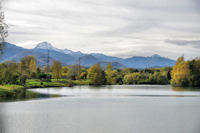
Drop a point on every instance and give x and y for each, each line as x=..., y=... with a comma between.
x=20, y=92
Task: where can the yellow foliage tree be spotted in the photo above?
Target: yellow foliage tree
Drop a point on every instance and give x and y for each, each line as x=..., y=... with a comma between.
x=56, y=69
x=180, y=73
x=109, y=74
x=96, y=75
x=28, y=64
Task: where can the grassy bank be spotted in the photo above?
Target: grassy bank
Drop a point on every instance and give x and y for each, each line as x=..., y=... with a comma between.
x=42, y=84
x=17, y=92
x=35, y=83
x=12, y=92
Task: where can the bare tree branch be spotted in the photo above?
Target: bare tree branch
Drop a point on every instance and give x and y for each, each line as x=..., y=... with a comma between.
x=3, y=31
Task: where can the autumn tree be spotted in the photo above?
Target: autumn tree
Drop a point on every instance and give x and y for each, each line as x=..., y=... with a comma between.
x=83, y=75
x=180, y=73
x=65, y=69
x=28, y=64
x=96, y=75
x=109, y=74
x=56, y=69
x=72, y=72
x=116, y=78
x=128, y=79
x=113, y=76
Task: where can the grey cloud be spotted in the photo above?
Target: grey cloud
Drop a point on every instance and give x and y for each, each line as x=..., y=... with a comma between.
x=193, y=43
x=128, y=29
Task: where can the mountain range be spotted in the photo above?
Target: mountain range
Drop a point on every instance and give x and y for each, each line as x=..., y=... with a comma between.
x=69, y=57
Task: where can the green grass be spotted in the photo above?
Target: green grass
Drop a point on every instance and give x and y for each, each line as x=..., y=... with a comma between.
x=54, y=83
x=81, y=82
x=11, y=87
x=17, y=92
x=35, y=83
x=10, y=90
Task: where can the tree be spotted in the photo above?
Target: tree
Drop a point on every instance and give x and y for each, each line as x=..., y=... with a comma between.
x=9, y=73
x=65, y=69
x=180, y=73
x=83, y=75
x=136, y=77
x=28, y=64
x=128, y=79
x=116, y=78
x=3, y=31
x=96, y=75
x=72, y=72
x=194, y=67
x=57, y=69
x=109, y=74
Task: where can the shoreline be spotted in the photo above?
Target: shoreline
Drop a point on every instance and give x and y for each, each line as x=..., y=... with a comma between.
x=20, y=92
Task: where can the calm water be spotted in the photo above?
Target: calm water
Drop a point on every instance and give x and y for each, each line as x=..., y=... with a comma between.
x=108, y=109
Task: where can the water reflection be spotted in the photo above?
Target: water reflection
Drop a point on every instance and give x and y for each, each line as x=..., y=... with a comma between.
x=120, y=90
x=28, y=95
x=186, y=89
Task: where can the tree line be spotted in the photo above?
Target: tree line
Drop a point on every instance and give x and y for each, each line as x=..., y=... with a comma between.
x=12, y=72
x=184, y=73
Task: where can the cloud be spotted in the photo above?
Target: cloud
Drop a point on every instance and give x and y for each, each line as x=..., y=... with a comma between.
x=107, y=26
x=193, y=43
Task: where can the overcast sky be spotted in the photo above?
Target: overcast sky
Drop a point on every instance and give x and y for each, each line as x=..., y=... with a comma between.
x=122, y=28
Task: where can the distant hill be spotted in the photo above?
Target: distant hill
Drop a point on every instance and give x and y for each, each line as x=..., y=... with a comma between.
x=115, y=65
x=146, y=62
x=69, y=57
x=88, y=60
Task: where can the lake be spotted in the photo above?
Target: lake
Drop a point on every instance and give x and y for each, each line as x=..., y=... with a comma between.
x=105, y=109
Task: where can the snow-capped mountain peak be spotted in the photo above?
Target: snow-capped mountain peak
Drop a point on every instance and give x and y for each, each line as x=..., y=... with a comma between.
x=44, y=45
x=67, y=51
x=47, y=45
x=155, y=56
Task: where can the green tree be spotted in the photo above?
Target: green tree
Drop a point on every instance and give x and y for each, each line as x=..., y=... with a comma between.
x=194, y=67
x=9, y=73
